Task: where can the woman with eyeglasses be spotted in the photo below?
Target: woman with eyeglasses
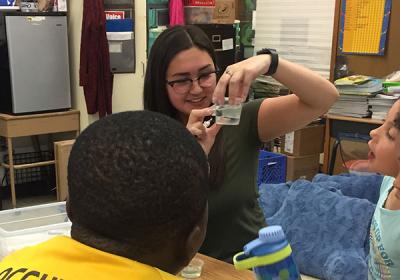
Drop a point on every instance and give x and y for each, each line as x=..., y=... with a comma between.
x=181, y=82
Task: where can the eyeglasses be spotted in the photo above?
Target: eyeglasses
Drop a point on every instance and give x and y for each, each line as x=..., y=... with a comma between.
x=184, y=85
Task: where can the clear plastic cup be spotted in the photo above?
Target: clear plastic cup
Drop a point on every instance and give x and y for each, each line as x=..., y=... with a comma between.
x=193, y=269
x=228, y=113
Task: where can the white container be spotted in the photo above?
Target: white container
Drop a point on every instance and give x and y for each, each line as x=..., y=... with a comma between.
x=28, y=226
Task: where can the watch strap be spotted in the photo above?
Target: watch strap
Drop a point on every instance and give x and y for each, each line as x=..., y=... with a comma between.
x=274, y=60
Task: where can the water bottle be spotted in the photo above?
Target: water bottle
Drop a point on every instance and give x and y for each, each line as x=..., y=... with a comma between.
x=270, y=256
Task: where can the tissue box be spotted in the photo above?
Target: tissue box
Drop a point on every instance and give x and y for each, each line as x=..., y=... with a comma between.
x=28, y=226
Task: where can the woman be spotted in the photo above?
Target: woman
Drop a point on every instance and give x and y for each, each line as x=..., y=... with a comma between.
x=181, y=82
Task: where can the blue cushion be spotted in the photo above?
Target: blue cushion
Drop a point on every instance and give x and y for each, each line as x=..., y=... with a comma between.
x=367, y=186
x=320, y=221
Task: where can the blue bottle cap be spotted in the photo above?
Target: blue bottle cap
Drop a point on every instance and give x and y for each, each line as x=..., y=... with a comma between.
x=270, y=239
x=271, y=234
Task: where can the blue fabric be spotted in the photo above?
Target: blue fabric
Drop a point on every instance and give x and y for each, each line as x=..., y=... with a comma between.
x=325, y=222
x=355, y=185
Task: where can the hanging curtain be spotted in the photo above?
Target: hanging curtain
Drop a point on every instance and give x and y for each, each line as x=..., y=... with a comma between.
x=94, y=74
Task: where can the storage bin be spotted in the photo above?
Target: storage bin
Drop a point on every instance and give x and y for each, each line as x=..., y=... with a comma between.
x=271, y=168
x=28, y=226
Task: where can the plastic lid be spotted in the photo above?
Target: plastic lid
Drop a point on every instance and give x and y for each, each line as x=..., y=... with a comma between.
x=271, y=239
x=272, y=234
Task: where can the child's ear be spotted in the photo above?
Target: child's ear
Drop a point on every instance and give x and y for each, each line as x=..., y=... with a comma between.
x=196, y=237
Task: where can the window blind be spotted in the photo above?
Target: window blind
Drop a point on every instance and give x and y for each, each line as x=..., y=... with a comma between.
x=300, y=31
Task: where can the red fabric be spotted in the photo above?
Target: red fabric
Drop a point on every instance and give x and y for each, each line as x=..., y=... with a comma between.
x=176, y=12
x=95, y=74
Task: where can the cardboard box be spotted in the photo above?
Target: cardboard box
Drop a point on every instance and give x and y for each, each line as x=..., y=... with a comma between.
x=306, y=141
x=302, y=167
x=224, y=12
x=62, y=149
x=350, y=150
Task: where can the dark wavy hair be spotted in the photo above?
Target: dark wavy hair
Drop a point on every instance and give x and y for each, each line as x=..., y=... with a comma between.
x=137, y=177
x=167, y=45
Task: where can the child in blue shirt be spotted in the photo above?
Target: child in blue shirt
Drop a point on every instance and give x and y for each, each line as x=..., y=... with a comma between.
x=384, y=157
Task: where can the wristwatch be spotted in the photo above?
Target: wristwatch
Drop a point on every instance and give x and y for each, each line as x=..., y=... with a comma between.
x=274, y=60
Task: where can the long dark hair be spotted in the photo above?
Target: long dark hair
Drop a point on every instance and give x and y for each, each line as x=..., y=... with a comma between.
x=155, y=98
x=167, y=45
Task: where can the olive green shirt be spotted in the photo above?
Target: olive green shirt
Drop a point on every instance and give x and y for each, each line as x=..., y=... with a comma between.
x=234, y=213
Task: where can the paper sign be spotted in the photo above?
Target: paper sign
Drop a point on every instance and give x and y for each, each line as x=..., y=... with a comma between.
x=114, y=47
x=227, y=44
x=115, y=14
x=119, y=36
x=289, y=139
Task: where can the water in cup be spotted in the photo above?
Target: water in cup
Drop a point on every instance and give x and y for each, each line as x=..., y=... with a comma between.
x=228, y=114
x=191, y=272
x=193, y=269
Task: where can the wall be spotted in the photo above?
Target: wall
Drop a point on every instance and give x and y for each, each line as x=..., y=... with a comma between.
x=127, y=94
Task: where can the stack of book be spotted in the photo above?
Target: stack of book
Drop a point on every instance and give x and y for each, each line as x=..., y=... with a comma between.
x=354, y=94
x=381, y=104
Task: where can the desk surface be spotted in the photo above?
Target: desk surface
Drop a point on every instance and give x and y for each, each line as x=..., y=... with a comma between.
x=39, y=115
x=214, y=269
x=36, y=124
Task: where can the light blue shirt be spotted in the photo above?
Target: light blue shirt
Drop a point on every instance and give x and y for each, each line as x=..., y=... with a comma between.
x=384, y=253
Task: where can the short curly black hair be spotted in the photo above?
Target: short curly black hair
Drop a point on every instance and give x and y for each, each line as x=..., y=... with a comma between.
x=137, y=176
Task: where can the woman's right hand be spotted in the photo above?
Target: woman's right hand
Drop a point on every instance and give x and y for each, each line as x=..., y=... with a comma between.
x=238, y=78
x=205, y=135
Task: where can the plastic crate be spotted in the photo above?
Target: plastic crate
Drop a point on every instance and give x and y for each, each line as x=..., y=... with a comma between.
x=271, y=168
x=28, y=226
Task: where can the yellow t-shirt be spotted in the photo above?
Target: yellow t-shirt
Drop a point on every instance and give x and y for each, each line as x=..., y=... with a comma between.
x=64, y=258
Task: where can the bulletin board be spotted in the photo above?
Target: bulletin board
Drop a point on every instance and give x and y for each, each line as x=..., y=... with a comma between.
x=363, y=26
x=373, y=65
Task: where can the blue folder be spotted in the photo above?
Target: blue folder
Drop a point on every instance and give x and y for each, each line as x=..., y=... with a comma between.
x=119, y=25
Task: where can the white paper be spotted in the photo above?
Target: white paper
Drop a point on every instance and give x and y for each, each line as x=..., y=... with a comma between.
x=62, y=5
x=289, y=142
x=119, y=36
x=115, y=47
x=227, y=44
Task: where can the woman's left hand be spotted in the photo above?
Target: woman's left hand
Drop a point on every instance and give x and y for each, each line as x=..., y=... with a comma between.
x=205, y=135
x=239, y=77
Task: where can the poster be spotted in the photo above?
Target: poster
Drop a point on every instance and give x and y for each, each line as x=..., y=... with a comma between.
x=363, y=26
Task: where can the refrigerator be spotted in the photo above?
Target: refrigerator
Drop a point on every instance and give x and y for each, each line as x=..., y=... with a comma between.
x=34, y=63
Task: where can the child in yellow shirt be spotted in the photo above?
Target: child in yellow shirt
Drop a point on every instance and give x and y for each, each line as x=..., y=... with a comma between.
x=138, y=185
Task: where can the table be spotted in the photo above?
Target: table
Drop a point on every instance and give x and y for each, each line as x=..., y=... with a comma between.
x=336, y=124
x=214, y=269
x=29, y=125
